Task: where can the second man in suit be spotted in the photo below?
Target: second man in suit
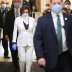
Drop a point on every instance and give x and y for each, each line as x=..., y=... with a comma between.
x=3, y=19
x=10, y=18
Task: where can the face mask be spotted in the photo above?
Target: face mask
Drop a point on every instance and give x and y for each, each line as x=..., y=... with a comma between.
x=57, y=8
x=16, y=5
x=25, y=15
x=67, y=6
x=4, y=6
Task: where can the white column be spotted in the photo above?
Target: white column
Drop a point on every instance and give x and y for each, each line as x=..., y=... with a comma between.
x=21, y=2
x=43, y=3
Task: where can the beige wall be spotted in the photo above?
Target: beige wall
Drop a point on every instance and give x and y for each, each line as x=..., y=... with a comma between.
x=71, y=3
x=43, y=3
x=10, y=2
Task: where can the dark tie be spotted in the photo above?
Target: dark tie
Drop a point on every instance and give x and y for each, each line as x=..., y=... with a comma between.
x=59, y=35
x=4, y=19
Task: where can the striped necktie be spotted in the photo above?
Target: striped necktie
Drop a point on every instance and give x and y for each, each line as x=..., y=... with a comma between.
x=17, y=13
x=59, y=35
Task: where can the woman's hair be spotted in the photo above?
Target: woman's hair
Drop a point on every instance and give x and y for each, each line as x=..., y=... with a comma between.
x=24, y=8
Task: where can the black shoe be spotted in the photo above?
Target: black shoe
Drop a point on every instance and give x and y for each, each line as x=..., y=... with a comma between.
x=6, y=57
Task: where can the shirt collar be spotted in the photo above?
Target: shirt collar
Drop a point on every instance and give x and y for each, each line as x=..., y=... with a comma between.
x=54, y=14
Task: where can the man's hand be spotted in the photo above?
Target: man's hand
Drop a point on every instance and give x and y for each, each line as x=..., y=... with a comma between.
x=42, y=61
x=6, y=37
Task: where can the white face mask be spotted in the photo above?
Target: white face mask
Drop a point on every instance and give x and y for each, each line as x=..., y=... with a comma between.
x=17, y=5
x=67, y=6
x=25, y=15
x=4, y=6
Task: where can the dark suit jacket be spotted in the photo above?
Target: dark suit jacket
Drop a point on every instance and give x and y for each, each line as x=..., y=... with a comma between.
x=10, y=17
x=1, y=20
x=2, y=24
x=45, y=39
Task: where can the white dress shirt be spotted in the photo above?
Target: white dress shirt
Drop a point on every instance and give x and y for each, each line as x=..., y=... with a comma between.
x=54, y=16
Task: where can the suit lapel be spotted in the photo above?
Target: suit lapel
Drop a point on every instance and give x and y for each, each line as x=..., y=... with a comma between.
x=51, y=24
x=65, y=22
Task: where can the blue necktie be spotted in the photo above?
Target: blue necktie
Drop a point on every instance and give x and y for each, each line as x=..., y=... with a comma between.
x=59, y=35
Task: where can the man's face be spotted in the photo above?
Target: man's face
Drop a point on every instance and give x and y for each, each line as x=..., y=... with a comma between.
x=67, y=5
x=54, y=2
x=4, y=5
x=16, y=4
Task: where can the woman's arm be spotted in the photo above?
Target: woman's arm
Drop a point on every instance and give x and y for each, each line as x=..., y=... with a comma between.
x=15, y=31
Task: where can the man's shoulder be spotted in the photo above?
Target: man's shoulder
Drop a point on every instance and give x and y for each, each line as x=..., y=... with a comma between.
x=45, y=17
x=68, y=16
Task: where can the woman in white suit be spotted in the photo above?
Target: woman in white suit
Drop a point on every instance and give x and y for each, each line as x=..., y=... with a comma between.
x=25, y=26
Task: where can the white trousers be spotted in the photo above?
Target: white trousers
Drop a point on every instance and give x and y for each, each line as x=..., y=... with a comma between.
x=25, y=57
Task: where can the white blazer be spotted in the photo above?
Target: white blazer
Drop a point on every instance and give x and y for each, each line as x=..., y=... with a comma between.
x=25, y=37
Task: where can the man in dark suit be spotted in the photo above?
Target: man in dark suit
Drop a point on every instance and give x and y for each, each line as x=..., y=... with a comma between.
x=52, y=39
x=10, y=17
x=3, y=16
x=1, y=25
